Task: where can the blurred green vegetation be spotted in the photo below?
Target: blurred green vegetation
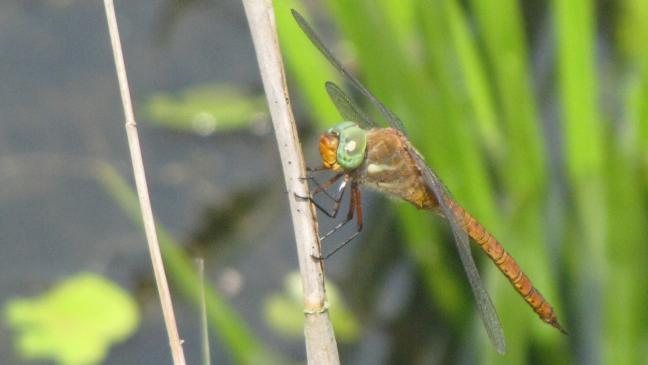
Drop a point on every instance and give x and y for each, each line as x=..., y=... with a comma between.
x=284, y=311
x=75, y=322
x=206, y=109
x=556, y=168
x=242, y=344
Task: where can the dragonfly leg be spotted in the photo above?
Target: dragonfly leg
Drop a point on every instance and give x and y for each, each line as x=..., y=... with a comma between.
x=337, y=199
x=348, y=218
x=355, y=206
x=320, y=188
x=323, y=187
x=332, y=213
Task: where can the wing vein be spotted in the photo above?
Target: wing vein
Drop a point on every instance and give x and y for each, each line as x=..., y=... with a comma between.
x=485, y=306
x=389, y=116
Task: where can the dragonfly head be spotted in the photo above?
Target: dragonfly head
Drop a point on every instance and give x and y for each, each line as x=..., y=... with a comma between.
x=343, y=147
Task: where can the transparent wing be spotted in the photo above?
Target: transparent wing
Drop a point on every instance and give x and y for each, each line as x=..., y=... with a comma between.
x=390, y=117
x=347, y=109
x=484, y=304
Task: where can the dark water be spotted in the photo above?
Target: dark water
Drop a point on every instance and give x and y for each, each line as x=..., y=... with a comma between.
x=60, y=114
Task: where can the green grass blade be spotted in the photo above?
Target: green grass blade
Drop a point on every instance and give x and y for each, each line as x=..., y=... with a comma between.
x=301, y=59
x=629, y=159
x=243, y=345
x=478, y=87
x=584, y=161
x=501, y=30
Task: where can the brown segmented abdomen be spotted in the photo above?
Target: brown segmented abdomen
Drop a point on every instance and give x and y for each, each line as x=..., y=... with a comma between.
x=390, y=168
x=506, y=264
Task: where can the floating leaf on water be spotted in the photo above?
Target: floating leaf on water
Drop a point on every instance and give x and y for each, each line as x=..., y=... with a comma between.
x=207, y=109
x=75, y=322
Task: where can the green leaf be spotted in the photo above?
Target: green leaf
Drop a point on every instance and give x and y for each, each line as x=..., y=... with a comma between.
x=206, y=109
x=75, y=322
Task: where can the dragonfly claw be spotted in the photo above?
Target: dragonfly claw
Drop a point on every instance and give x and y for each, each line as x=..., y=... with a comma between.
x=301, y=197
x=317, y=258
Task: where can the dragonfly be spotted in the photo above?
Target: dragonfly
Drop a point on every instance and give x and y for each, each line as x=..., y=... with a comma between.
x=360, y=152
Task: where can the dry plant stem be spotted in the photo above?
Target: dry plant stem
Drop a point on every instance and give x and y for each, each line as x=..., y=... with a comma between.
x=321, y=347
x=142, y=190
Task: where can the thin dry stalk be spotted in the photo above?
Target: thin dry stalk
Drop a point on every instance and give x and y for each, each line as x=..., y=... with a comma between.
x=142, y=189
x=321, y=347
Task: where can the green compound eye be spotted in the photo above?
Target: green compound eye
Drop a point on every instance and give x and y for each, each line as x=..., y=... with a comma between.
x=352, y=145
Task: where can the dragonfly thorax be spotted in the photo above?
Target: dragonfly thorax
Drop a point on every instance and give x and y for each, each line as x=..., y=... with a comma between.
x=343, y=147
